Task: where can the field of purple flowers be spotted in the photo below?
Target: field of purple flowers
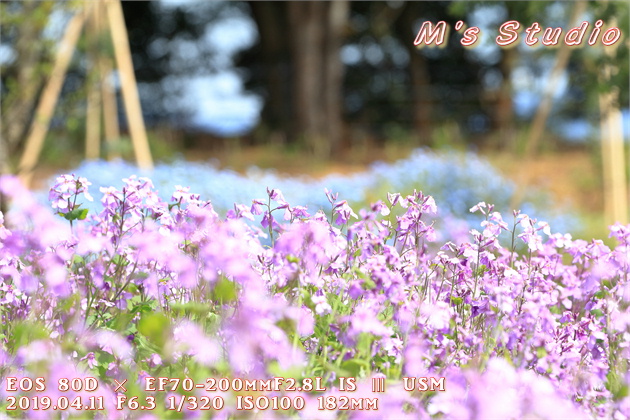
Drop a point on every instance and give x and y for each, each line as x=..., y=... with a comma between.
x=518, y=321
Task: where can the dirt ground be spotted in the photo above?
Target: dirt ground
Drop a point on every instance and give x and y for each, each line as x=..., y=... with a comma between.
x=572, y=177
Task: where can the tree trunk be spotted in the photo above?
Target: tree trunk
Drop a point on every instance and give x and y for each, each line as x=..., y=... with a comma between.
x=504, y=110
x=613, y=153
x=307, y=36
x=271, y=18
x=333, y=73
x=316, y=30
x=421, y=95
x=300, y=46
x=422, y=98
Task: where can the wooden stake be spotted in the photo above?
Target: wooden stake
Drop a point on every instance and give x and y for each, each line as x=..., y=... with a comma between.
x=108, y=96
x=110, y=109
x=128, y=85
x=93, y=120
x=46, y=106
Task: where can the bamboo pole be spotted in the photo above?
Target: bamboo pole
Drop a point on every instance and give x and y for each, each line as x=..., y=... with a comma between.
x=46, y=106
x=128, y=85
x=93, y=121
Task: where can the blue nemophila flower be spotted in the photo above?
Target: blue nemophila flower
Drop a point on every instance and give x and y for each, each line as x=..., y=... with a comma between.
x=457, y=181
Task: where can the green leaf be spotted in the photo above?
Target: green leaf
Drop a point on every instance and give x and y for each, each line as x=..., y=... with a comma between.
x=66, y=304
x=479, y=271
x=155, y=327
x=225, y=290
x=190, y=308
x=353, y=367
x=456, y=300
x=75, y=214
x=368, y=284
x=621, y=392
x=555, y=310
x=83, y=214
x=120, y=260
x=25, y=333
x=276, y=369
x=133, y=289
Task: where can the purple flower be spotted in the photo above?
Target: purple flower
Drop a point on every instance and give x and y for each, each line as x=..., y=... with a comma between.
x=64, y=193
x=381, y=208
x=515, y=334
x=305, y=322
x=481, y=206
x=321, y=304
x=183, y=195
x=190, y=339
x=364, y=319
x=276, y=195
x=112, y=343
x=331, y=196
x=621, y=232
x=91, y=360
x=343, y=212
x=257, y=207
x=240, y=210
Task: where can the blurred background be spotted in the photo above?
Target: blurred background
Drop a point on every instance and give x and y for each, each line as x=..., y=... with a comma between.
x=319, y=91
